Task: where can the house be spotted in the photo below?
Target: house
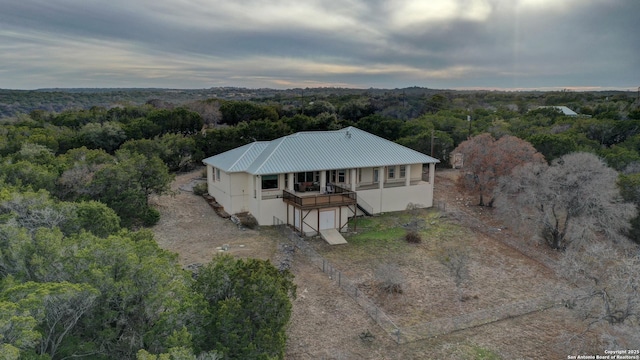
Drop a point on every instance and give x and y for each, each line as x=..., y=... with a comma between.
x=319, y=179
x=565, y=110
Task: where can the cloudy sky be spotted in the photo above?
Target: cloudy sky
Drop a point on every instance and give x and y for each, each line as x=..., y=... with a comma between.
x=444, y=44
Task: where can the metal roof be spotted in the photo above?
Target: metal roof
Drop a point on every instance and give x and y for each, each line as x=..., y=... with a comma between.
x=317, y=150
x=565, y=110
x=238, y=159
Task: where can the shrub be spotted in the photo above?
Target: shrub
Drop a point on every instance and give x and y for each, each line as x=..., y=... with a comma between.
x=200, y=189
x=390, y=279
x=248, y=221
x=413, y=237
x=150, y=217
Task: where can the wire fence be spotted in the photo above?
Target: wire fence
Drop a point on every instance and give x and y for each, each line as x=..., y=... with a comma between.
x=349, y=286
x=420, y=331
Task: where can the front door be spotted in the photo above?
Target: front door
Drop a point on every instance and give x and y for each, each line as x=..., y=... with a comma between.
x=375, y=176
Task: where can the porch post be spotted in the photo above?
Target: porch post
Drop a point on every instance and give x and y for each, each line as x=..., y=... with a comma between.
x=323, y=180
x=252, y=186
x=290, y=182
x=353, y=172
x=381, y=177
x=407, y=175
x=258, y=187
x=432, y=173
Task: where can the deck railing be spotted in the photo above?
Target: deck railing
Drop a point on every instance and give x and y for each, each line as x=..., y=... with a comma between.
x=338, y=197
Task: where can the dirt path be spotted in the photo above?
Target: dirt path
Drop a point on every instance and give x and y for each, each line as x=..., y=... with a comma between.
x=189, y=227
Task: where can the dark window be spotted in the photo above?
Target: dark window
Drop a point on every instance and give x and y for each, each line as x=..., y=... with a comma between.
x=269, y=182
x=309, y=176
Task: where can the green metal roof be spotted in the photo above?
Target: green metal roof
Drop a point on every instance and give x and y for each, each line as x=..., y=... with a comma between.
x=317, y=150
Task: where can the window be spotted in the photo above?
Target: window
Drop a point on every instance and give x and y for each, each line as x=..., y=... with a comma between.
x=269, y=182
x=341, y=176
x=309, y=176
x=217, y=175
x=403, y=171
x=391, y=172
x=375, y=175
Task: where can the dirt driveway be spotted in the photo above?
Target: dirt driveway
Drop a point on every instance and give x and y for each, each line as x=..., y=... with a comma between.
x=326, y=323
x=189, y=227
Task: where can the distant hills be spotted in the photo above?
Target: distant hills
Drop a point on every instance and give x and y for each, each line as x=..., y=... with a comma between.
x=13, y=102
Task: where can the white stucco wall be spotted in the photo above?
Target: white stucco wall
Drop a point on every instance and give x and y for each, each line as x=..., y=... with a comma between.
x=267, y=209
x=397, y=198
x=238, y=192
x=230, y=190
x=219, y=188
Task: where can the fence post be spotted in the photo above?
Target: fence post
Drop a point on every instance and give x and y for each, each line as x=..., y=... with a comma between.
x=323, y=261
x=398, y=332
x=356, y=292
x=339, y=278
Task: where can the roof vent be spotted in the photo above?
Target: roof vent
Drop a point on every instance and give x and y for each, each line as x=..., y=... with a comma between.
x=348, y=134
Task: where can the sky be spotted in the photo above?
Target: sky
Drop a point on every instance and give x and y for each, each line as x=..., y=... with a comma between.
x=282, y=44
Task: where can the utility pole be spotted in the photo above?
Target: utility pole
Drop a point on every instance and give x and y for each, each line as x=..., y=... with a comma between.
x=432, y=138
x=469, y=120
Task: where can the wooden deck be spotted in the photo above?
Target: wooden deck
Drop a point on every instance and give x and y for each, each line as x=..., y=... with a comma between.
x=341, y=197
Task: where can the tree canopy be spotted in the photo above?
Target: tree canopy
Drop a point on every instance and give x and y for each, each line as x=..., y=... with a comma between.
x=71, y=287
x=486, y=160
x=569, y=202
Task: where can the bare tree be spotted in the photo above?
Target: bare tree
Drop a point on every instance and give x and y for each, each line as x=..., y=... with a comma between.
x=414, y=226
x=575, y=205
x=608, y=279
x=208, y=109
x=390, y=279
x=605, y=292
x=487, y=159
x=36, y=210
x=572, y=201
x=456, y=260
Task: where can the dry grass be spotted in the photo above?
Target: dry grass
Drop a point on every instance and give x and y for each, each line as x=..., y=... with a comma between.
x=429, y=292
x=327, y=324
x=190, y=227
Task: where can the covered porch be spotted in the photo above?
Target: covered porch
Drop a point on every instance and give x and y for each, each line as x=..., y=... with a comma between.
x=353, y=179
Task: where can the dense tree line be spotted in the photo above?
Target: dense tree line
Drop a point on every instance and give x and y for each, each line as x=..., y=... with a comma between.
x=73, y=283
x=76, y=186
x=433, y=122
x=76, y=277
